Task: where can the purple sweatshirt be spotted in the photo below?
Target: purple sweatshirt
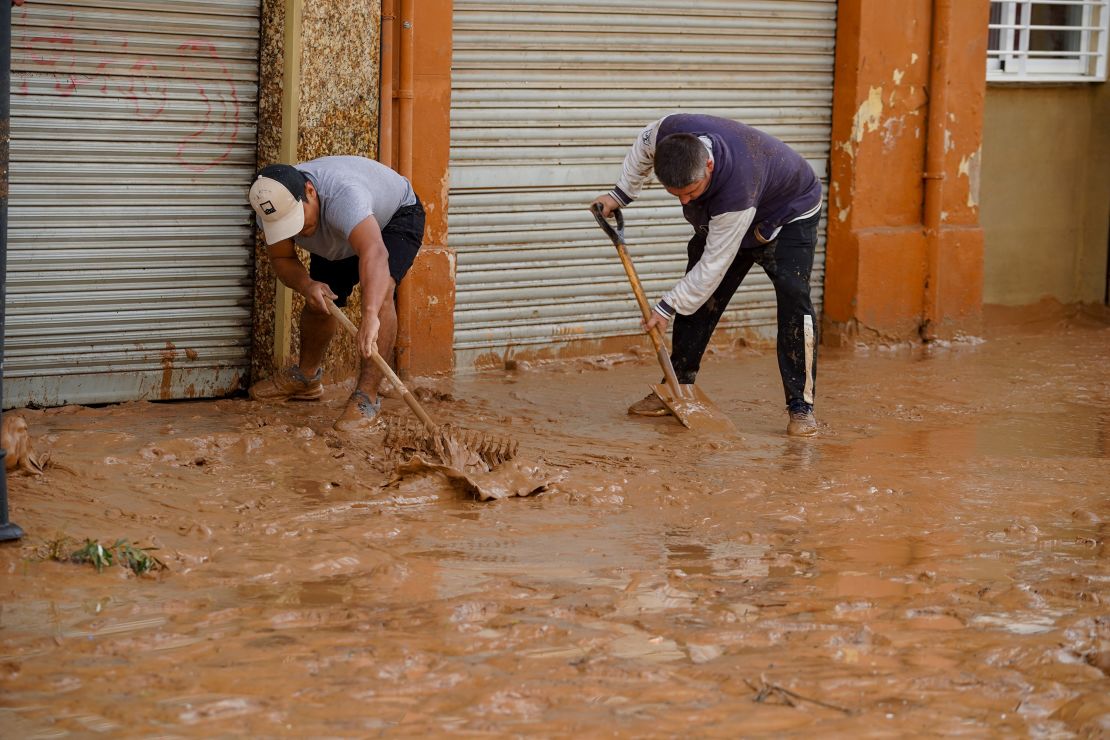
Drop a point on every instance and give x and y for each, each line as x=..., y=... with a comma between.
x=757, y=182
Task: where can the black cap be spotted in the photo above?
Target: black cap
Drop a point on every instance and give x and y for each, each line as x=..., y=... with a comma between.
x=288, y=175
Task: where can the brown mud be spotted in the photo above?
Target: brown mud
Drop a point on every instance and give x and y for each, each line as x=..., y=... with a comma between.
x=936, y=562
x=15, y=436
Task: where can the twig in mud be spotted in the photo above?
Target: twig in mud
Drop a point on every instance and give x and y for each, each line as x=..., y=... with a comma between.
x=766, y=690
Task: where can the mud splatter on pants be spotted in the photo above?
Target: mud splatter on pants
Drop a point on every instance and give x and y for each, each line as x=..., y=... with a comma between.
x=787, y=261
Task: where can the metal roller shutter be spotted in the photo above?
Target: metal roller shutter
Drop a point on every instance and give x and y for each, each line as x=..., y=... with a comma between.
x=547, y=96
x=130, y=245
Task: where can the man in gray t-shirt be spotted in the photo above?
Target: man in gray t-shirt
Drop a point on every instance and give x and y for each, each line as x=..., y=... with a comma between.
x=361, y=223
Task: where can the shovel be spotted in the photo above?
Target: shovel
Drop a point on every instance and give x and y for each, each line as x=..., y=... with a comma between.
x=685, y=400
x=435, y=438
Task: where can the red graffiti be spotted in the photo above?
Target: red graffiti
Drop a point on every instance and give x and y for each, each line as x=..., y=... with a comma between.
x=146, y=96
x=58, y=55
x=141, y=81
x=221, y=115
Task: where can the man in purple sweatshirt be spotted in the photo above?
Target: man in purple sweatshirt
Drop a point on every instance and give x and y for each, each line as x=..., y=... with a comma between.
x=751, y=199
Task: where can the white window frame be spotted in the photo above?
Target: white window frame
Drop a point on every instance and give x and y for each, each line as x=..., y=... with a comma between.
x=1013, y=61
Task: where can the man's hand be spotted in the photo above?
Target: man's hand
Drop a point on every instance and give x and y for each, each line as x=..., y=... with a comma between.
x=368, y=335
x=758, y=234
x=608, y=204
x=317, y=295
x=655, y=321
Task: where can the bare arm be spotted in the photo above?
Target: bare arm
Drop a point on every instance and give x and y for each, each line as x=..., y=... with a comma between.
x=373, y=273
x=290, y=271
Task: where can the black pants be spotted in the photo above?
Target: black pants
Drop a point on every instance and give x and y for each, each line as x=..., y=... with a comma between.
x=788, y=261
x=402, y=237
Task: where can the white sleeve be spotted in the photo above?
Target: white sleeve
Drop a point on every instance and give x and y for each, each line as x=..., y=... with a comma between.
x=726, y=231
x=638, y=164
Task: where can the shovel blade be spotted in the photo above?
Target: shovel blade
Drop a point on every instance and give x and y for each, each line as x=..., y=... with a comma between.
x=694, y=409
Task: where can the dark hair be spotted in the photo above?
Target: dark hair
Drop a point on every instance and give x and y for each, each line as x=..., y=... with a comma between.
x=288, y=175
x=680, y=160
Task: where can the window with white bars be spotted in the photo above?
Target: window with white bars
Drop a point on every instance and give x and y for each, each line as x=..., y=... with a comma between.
x=1048, y=41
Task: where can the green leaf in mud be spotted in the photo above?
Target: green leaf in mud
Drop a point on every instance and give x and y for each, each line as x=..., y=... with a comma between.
x=93, y=552
x=138, y=560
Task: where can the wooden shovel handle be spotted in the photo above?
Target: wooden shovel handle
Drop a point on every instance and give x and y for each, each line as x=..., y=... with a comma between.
x=617, y=236
x=410, y=399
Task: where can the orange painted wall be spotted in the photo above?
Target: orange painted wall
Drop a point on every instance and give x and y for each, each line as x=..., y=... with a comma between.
x=432, y=307
x=887, y=277
x=432, y=114
x=878, y=264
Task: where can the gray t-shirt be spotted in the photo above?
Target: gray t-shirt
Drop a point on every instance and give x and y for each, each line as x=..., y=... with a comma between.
x=350, y=189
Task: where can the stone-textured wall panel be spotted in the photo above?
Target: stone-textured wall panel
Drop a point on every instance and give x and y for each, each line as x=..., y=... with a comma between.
x=339, y=112
x=338, y=115
x=339, y=79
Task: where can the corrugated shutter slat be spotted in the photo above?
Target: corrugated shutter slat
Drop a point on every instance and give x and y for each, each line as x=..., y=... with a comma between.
x=130, y=243
x=547, y=97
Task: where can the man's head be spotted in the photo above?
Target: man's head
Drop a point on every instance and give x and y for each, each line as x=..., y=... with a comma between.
x=683, y=166
x=284, y=202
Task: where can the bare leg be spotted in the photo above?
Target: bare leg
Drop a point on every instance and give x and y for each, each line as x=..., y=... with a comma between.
x=317, y=329
x=370, y=376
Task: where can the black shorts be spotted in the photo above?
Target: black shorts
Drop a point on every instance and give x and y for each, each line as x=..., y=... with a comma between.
x=402, y=236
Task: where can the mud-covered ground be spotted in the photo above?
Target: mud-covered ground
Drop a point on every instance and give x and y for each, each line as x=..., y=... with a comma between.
x=936, y=562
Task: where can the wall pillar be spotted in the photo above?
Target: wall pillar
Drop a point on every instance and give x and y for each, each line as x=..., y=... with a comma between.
x=329, y=55
x=888, y=277
x=432, y=304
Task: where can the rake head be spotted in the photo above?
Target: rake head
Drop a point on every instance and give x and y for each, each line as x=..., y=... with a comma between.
x=453, y=446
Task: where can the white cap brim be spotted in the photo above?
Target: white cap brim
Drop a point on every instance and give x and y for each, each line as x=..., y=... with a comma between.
x=286, y=227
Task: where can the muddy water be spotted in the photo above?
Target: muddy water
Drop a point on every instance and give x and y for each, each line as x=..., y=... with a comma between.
x=937, y=561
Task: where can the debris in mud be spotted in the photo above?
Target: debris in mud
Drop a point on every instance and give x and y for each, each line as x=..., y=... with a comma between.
x=136, y=559
x=767, y=690
x=1090, y=642
x=458, y=448
x=513, y=478
x=476, y=464
x=426, y=395
x=17, y=442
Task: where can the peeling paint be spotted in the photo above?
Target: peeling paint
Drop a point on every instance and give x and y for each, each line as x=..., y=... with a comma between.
x=970, y=167
x=898, y=75
x=913, y=58
x=869, y=114
x=842, y=214
x=893, y=129
x=444, y=186
x=867, y=118
x=949, y=144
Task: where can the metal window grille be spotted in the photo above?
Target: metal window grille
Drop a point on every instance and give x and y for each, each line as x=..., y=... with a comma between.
x=1048, y=40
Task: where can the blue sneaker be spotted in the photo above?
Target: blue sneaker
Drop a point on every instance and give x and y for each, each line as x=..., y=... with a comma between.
x=361, y=413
